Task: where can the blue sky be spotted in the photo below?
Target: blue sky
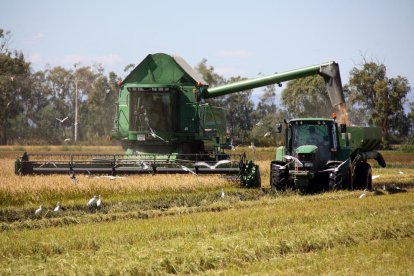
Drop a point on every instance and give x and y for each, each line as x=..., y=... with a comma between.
x=236, y=37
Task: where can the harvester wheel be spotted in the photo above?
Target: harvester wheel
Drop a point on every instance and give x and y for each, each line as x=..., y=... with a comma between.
x=250, y=177
x=278, y=177
x=363, y=176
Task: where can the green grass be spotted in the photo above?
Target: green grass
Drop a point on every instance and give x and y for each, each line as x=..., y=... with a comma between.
x=377, y=257
x=245, y=237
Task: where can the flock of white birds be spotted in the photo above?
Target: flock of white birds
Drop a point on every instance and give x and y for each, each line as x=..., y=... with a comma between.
x=93, y=203
x=96, y=202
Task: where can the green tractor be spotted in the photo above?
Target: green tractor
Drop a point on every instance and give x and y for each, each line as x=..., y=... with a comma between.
x=320, y=154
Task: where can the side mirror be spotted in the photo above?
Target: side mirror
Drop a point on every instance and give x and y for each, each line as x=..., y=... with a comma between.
x=278, y=128
x=342, y=128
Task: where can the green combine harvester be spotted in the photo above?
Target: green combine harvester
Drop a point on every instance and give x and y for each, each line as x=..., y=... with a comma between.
x=165, y=125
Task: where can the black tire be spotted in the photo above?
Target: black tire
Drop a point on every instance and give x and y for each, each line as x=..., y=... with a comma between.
x=253, y=180
x=279, y=178
x=348, y=181
x=363, y=176
x=335, y=181
x=257, y=181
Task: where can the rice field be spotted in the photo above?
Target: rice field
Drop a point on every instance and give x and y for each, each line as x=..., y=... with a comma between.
x=180, y=224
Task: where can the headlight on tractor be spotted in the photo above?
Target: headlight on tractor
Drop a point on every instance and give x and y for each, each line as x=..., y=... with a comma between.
x=308, y=164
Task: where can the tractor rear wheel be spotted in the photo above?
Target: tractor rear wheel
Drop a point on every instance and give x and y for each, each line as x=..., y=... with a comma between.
x=363, y=176
x=279, y=178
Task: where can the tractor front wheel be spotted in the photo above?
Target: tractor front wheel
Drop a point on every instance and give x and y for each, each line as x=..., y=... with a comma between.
x=279, y=177
x=335, y=181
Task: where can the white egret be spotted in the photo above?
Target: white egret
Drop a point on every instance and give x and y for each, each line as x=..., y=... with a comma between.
x=92, y=202
x=336, y=169
x=57, y=208
x=280, y=167
x=38, y=210
x=297, y=161
x=362, y=195
x=187, y=170
x=73, y=177
x=112, y=177
x=252, y=147
x=213, y=167
x=222, y=195
x=143, y=164
x=62, y=120
x=99, y=203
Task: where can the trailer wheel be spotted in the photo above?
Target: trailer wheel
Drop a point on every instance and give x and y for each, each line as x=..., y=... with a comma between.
x=278, y=177
x=363, y=176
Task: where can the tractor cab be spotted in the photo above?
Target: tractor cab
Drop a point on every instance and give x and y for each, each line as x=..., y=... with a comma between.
x=312, y=141
x=311, y=145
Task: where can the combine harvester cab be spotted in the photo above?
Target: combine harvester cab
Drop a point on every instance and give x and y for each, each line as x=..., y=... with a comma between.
x=320, y=155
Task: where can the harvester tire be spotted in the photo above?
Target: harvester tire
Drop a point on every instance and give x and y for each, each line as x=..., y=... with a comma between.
x=363, y=176
x=257, y=181
x=279, y=178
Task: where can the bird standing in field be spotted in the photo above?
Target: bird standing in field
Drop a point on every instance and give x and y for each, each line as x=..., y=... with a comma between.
x=57, y=208
x=73, y=177
x=222, y=195
x=38, y=211
x=99, y=203
x=362, y=195
x=92, y=202
x=252, y=147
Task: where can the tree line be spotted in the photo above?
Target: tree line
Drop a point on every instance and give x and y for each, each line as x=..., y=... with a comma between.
x=38, y=107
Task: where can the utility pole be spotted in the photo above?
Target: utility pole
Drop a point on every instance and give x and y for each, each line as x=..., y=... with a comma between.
x=76, y=105
x=76, y=108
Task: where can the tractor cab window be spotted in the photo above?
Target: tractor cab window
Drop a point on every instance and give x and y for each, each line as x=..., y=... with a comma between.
x=316, y=133
x=150, y=108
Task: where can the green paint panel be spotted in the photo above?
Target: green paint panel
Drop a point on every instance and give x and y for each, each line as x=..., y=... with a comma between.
x=158, y=69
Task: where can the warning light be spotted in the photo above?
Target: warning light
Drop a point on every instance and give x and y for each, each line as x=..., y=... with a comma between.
x=334, y=116
x=199, y=84
x=119, y=83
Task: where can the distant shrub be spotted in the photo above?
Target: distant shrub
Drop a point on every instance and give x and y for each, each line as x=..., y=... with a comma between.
x=407, y=148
